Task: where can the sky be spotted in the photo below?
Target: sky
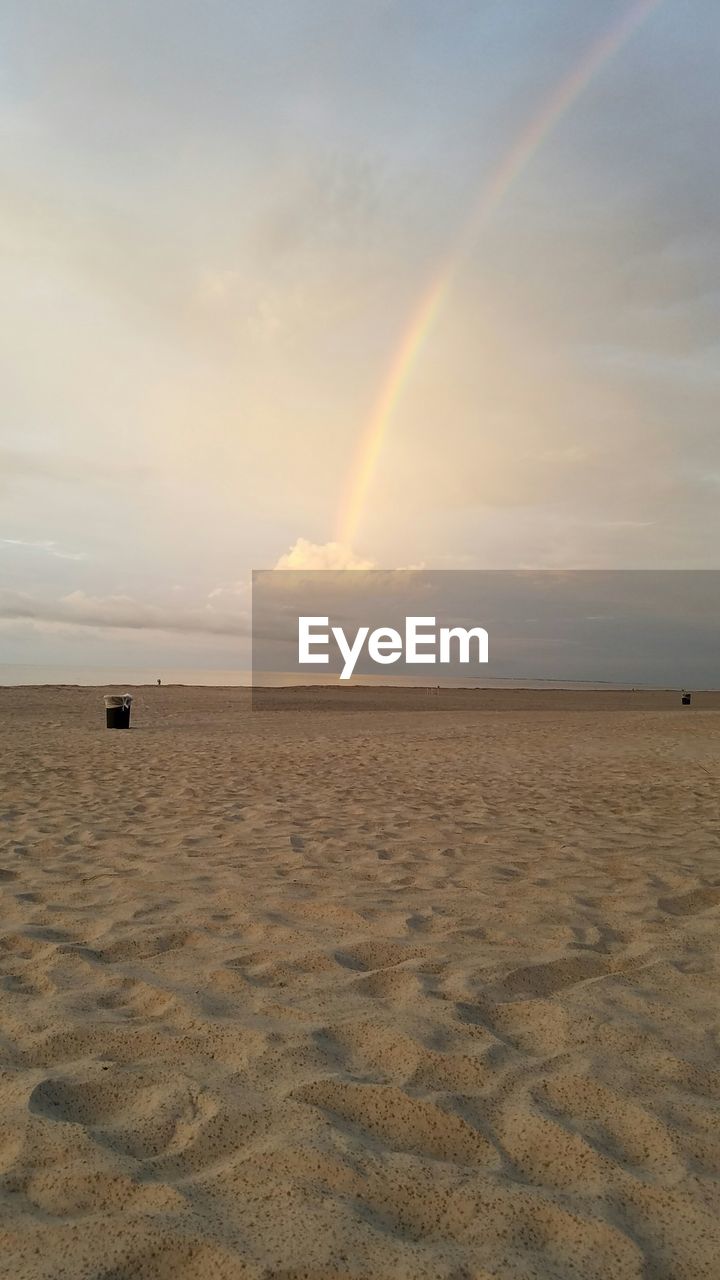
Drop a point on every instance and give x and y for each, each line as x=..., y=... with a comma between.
x=217, y=222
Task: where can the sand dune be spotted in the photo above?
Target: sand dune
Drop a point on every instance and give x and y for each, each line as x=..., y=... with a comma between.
x=356, y=994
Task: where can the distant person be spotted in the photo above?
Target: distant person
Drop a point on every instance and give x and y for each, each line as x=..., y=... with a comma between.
x=159, y=682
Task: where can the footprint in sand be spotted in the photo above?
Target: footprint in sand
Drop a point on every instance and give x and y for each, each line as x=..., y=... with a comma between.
x=76, y=1190
x=556, y=975
x=134, y=1113
x=144, y=946
x=377, y=953
x=615, y=1125
x=24, y=946
x=403, y=1123
x=135, y=998
x=688, y=904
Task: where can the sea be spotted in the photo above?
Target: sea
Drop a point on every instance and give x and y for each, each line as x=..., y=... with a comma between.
x=14, y=674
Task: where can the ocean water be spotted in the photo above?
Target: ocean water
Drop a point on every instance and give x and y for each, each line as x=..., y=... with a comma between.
x=16, y=674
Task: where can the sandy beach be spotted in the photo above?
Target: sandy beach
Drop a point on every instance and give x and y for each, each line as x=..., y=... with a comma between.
x=335, y=992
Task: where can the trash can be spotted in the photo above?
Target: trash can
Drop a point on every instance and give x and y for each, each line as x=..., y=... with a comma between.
x=686, y=699
x=117, y=710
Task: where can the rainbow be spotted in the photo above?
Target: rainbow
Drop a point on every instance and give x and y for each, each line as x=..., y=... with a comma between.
x=435, y=294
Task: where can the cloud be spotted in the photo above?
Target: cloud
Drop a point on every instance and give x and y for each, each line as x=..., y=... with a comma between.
x=45, y=545
x=120, y=612
x=15, y=464
x=230, y=591
x=326, y=555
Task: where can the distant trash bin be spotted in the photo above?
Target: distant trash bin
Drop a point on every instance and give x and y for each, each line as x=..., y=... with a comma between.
x=686, y=699
x=117, y=710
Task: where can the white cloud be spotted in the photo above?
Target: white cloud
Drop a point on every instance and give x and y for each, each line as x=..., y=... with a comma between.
x=231, y=591
x=46, y=546
x=326, y=555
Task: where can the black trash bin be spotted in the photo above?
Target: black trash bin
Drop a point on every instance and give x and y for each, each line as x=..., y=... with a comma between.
x=686, y=699
x=117, y=710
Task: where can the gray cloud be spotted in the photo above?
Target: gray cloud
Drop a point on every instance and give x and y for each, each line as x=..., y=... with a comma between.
x=120, y=612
